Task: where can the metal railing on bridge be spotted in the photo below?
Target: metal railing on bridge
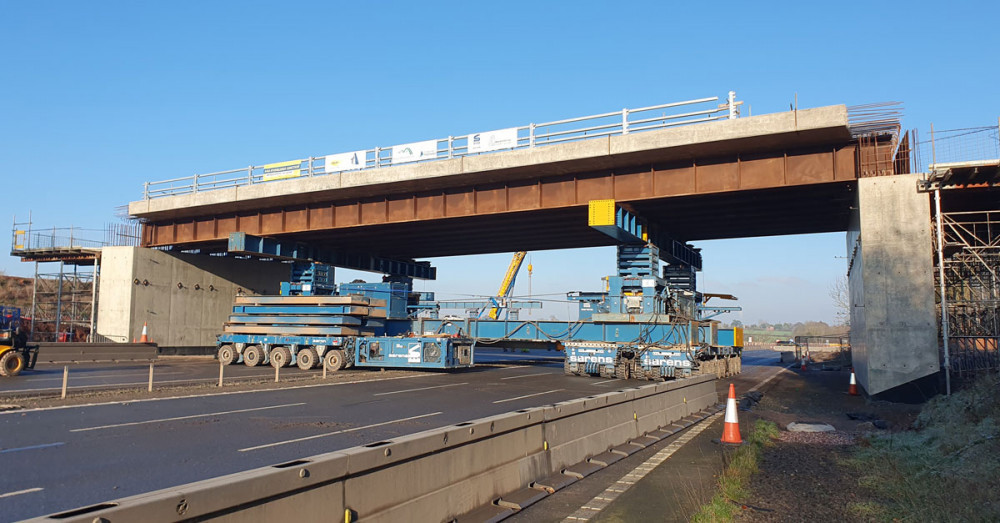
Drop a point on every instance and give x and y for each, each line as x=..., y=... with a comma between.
x=25, y=239
x=621, y=122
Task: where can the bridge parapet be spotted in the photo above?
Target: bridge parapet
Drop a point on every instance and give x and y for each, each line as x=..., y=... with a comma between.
x=621, y=122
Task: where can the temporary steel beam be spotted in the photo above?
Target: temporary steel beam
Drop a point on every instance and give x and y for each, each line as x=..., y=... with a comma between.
x=625, y=227
x=243, y=243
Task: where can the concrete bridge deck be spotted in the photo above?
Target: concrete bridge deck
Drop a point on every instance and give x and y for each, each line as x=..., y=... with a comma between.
x=782, y=173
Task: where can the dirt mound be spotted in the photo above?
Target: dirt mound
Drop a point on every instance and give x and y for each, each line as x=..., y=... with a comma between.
x=16, y=292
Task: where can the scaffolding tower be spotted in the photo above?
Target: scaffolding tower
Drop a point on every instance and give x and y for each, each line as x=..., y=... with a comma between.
x=971, y=285
x=64, y=303
x=964, y=177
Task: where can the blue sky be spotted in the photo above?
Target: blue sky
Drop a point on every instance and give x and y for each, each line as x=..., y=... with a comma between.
x=98, y=97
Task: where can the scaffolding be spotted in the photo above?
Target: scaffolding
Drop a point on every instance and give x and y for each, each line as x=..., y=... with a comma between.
x=64, y=303
x=62, y=306
x=970, y=252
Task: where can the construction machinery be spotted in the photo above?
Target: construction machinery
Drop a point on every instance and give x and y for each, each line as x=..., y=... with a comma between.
x=15, y=352
x=499, y=302
x=649, y=322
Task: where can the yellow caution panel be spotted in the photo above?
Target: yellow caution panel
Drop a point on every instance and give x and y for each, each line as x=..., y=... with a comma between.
x=738, y=336
x=602, y=212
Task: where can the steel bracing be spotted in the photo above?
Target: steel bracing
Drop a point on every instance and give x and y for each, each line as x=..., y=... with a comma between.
x=970, y=251
x=63, y=304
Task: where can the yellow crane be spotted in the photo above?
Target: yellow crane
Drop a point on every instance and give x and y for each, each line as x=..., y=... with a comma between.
x=507, y=286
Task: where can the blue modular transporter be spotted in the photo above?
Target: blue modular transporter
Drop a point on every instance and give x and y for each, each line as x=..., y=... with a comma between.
x=643, y=325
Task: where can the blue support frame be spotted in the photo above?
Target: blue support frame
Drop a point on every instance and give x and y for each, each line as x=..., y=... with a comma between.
x=629, y=228
x=243, y=243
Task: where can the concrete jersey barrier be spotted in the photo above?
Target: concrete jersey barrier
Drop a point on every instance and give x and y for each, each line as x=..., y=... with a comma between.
x=436, y=475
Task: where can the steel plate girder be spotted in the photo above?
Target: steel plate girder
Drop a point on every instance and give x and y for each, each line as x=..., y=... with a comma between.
x=243, y=243
x=505, y=202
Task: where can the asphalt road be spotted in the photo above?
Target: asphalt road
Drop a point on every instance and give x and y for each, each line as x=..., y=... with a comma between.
x=177, y=371
x=61, y=458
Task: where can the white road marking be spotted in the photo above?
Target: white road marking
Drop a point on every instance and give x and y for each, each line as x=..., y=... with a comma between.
x=518, y=367
x=355, y=429
x=605, y=381
x=602, y=500
x=421, y=388
x=527, y=375
x=19, y=492
x=771, y=377
x=528, y=396
x=193, y=416
x=191, y=396
x=33, y=447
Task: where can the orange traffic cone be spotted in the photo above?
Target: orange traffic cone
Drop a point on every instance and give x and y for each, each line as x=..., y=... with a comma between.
x=852, y=389
x=731, y=432
x=143, y=338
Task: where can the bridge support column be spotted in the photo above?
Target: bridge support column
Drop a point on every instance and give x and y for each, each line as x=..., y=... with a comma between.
x=890, y=276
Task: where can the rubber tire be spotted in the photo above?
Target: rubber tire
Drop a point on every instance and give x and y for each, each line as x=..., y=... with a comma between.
x=306, y=358
x=252, y=355
x=227, y=355
x=281, y=357
x=621, y=370
x=568, y=368
x=334, y=360
x=11, y=363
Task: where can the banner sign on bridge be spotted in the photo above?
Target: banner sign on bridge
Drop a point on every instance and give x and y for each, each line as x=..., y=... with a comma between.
x=344, y=161
x=493, y=140
x=282, y=170
x=412, y=152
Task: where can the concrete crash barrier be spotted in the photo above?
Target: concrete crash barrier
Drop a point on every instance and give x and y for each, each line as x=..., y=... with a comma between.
x=436, y=475
x=95, y=352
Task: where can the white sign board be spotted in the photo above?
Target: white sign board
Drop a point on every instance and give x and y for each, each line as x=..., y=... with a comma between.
x=493, y=140
x=344, y=161
x=412, y=152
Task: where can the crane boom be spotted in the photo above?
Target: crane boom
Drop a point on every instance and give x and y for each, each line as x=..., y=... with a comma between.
x=507, y=286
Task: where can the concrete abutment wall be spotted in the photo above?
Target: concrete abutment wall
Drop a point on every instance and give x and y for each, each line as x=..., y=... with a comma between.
x=183, y=298
x=894, y=332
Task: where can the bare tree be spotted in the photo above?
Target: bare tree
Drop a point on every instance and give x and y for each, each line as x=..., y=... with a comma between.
x=840, y=293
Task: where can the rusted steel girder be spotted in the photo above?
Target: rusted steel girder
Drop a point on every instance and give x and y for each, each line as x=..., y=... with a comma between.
x=637, y=184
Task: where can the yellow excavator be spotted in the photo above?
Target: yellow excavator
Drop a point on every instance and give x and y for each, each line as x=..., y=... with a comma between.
x=15, y=353
x=499, y=302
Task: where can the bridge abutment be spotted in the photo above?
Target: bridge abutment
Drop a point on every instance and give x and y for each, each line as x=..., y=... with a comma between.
x=894, y=333
x=183, y=298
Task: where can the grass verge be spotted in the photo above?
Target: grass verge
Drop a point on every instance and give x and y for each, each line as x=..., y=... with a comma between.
x=943, y=470
x=734, y=481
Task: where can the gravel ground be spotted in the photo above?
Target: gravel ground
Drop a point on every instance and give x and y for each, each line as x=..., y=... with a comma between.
x=802, y=477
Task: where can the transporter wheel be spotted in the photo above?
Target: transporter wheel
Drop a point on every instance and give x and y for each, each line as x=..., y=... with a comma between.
x=11, y=363
x=569, y=368
x=306, y=358
x=334, y=360
x=252, y=355
x=280, y=357
x=622, y=369
x=227, y=355
x=636, y=371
